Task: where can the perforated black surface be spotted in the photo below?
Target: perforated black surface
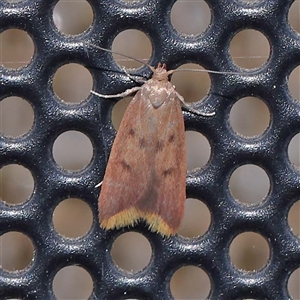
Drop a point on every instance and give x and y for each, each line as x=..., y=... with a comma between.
x=210, y=184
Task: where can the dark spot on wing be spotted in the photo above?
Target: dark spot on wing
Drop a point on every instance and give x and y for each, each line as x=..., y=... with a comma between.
x=131, y=132
x=168, y=172
x=125, y=166
x=159, y=145
x=148, y=200
x=142, y=142
x=171, y=138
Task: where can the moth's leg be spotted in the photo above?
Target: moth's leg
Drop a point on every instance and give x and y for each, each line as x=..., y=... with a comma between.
x=133, y=77
x=124, y=94
x=189, y=108
x=99, y=184
x=180, y=98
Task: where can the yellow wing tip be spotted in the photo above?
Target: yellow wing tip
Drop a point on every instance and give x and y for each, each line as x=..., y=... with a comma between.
x=130, y=217
x=157, y=224
x=124, y=218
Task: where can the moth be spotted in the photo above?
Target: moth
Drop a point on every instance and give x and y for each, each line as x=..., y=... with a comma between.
x=145, y=178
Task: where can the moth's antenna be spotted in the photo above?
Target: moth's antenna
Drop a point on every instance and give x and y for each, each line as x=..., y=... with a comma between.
x=124, y=55
x=206, y=71
x=170, y=71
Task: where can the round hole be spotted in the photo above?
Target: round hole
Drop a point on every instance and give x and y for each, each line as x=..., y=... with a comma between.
x=293, y=83
x=249, y=49
x=16, y=116
x=190, y=17
x=294, y=217
x=72, y=282
x=72, y=83
x=133, y=43
x=293, y=16
x=64, y=154
x=293, y=150
x=293, y=285
x=192, y=86
x=249, y=116
x=72, y=218
x=72, y=17
x=190, y=283
x=16, y=48
x=249, y=251
x=119, y=110
x=131, y=252
x=249, y=184
x=16, y=251
x=197, y=149
x=16, y=184
x=196, y=219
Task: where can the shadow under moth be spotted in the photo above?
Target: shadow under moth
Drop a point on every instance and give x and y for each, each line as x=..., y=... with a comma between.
x=145, y=176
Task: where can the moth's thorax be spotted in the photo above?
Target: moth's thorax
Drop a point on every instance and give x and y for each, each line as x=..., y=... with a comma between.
x=158, y=89
x=158, y=92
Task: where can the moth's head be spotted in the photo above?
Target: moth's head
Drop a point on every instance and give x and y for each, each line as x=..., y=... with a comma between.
x=160, y=73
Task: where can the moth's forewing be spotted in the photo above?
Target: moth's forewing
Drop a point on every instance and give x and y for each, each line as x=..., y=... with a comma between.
x=146, y=173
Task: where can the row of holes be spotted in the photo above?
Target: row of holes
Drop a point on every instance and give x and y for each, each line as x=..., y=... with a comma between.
x=243, y=180
x=195, y=223
x=131, y=252
x=79, y=216
x=249, y=184
x=248, y=117
x=14, y=45
x=243, y=48
x=187, y=17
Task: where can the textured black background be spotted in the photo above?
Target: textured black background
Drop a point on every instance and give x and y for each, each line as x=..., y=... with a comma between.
x=92, y=117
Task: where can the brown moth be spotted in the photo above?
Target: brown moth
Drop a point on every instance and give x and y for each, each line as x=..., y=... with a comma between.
x=145, y=176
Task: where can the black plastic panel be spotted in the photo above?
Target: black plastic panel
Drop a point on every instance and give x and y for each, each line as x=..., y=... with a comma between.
x=92, y=117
